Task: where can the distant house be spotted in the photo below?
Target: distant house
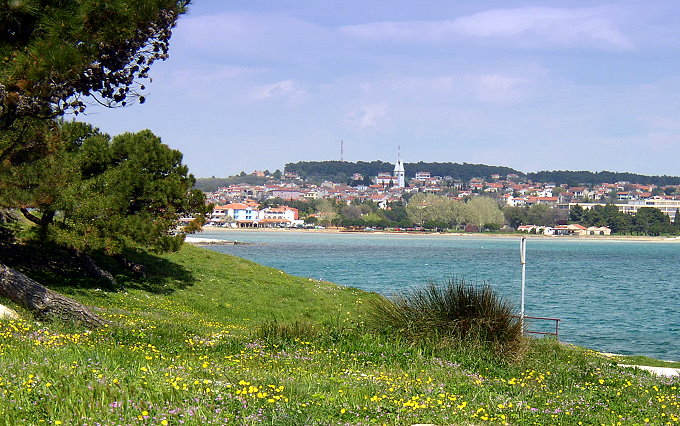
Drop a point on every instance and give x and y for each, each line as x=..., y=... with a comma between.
x=422, y=176
x=599, y=230
x=514, y=201
x=493, y=187
x=291, y=175
x=286, y=194
x=386, y=179
x=573, y=229
x=536, y=229
x=579, y=191
x=235, y=214
x=278, y=216
x=542, y=200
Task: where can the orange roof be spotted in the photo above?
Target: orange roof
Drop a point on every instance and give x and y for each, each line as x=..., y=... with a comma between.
x=235, y=206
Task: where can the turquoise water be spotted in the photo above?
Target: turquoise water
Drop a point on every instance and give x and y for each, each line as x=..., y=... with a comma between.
x=621, y=297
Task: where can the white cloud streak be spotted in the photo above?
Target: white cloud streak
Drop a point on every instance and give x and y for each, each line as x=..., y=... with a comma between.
x=286, y=89
x=525, y=27
x=368, y=116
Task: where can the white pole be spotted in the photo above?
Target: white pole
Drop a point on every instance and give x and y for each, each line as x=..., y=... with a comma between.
x=523, y=261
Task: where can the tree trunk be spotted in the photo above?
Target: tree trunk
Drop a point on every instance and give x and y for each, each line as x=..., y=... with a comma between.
x=95, y=271
x=131, y=266
x=43, y=302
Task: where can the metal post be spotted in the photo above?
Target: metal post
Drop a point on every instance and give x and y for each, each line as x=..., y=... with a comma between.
x=523, y=261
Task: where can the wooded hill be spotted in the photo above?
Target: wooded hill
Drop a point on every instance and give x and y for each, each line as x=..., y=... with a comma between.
x=342, y=171
x=574, y=178
x=339, y=171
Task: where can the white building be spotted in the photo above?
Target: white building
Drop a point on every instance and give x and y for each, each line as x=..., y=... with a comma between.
x=400, y=174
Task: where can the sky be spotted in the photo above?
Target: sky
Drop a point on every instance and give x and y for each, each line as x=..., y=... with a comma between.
x=533, y=85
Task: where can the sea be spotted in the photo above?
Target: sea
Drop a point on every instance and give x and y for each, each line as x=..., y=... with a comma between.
x=609, y=295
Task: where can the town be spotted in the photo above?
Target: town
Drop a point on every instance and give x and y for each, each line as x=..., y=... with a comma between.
x=288, y=200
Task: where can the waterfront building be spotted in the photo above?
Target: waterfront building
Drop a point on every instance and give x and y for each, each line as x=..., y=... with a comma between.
x=278, y=216
x=236, y=213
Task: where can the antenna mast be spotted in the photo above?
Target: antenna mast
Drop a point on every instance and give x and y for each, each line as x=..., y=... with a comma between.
x=342, y=150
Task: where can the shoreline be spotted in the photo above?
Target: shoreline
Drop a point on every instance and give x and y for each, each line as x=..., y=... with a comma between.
x=608, y=238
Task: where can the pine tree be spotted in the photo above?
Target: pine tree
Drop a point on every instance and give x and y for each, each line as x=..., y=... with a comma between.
x=52, y=56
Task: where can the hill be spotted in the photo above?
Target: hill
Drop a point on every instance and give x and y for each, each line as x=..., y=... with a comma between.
x=341, y=171
x=574, y=178
x=212, y=183
x=212, y=339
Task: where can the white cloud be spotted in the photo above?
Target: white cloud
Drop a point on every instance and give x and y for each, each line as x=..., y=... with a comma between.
x=286, y=89
x=369, y=115
x=529, y=26
x=579, y=27
x=497, y=88
x=401, y=31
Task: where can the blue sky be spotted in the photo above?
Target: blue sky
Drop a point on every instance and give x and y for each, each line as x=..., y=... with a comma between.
x=534, y=85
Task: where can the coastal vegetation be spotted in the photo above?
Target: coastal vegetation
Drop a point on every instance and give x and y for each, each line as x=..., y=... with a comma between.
x=436, y=211
x=209, y=338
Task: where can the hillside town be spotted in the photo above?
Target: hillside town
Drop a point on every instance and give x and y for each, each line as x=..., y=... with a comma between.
x=237, y=205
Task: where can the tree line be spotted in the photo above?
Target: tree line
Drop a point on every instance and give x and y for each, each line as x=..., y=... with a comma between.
x=575, y=178
x=425, y=211
x=342, y=171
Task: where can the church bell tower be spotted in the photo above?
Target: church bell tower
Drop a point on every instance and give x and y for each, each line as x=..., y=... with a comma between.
x=399, y=171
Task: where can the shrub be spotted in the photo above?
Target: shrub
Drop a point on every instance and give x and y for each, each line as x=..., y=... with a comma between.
x=455, y=313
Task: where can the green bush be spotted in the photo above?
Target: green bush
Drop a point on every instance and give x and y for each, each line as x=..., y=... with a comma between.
x=456, y=313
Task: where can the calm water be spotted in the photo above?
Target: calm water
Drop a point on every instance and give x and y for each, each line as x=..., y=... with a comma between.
x=621, y=297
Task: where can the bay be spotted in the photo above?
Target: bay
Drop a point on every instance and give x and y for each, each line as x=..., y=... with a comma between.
x=611, y=296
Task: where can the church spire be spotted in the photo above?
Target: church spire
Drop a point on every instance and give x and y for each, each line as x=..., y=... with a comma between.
x=399, y=171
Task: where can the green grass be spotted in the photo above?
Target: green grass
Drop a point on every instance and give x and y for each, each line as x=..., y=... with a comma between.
x=212, y=339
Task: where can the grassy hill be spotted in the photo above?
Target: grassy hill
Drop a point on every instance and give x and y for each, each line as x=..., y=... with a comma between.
x=213, y=339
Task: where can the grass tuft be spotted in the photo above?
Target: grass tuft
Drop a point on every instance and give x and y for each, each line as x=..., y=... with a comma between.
x=453, y=314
